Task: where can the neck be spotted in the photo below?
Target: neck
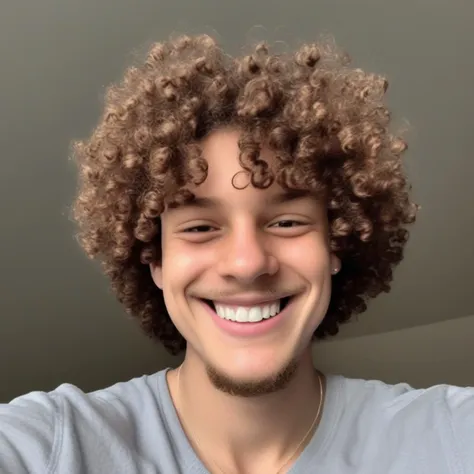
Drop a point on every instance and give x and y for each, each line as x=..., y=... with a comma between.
x=254, y=434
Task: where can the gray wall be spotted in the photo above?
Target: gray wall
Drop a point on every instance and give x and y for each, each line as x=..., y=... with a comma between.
x=59, y=321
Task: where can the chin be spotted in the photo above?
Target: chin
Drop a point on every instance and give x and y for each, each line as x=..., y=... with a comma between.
x=252, y=377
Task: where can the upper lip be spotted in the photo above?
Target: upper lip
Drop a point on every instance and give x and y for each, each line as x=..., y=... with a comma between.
x=248, y=300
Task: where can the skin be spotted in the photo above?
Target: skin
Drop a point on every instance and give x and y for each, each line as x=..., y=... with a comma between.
x=248, y=244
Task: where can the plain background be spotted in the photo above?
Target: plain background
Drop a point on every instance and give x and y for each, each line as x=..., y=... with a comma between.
x=59, y=321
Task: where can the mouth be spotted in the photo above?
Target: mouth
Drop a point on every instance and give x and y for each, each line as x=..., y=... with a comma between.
x=249, y=314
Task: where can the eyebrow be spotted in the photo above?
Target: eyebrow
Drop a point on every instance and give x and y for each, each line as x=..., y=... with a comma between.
x=214, y=202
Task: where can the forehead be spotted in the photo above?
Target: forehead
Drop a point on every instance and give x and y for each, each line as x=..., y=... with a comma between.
x=227, y=184
x=221, y=151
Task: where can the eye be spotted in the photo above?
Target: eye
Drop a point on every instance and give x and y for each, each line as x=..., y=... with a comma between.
x=199, y=229
x=287, y=223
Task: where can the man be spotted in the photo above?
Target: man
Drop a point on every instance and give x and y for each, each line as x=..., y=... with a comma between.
x=243, y=207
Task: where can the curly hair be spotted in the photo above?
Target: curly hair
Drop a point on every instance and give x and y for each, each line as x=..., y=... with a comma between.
x=326, y=123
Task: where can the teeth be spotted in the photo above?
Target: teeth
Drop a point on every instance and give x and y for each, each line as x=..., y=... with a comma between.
x=252, y=314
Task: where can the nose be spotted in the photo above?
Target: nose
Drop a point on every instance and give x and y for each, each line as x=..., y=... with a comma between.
x=245, y=256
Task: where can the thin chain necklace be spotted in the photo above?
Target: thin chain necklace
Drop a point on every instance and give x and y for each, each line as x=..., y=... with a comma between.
x=305, y=437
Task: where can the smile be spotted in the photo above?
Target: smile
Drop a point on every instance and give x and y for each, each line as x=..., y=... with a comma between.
x=248, y=320
x=249, y=314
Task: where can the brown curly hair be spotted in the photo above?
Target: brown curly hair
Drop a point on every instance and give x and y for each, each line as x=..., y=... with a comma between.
x=325, y=121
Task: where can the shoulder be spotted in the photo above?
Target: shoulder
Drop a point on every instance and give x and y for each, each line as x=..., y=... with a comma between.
x=440, y=416
x=39, y=427
x=459, y=405
x=69, y=400
x=28, y=432
x=399, y=400
x=119, y=406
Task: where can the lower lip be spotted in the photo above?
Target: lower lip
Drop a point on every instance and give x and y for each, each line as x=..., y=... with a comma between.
x=248, y=329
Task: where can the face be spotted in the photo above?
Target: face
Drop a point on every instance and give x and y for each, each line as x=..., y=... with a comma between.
x=246, y=273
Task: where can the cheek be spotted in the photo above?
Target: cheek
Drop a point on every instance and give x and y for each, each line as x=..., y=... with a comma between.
x=309, y=256
x=182, y=265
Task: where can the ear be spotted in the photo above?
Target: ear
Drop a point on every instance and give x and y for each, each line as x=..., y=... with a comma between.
x=157, y=274
x=335, y=264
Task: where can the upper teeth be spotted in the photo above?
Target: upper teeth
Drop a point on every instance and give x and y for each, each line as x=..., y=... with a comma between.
x=250, y=314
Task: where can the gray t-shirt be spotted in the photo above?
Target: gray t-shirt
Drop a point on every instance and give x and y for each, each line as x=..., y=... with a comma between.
x=132, y=427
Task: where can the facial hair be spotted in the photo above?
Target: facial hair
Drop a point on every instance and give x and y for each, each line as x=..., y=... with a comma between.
x=254, y=388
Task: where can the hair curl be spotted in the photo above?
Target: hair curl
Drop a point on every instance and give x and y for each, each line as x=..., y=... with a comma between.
x=326, y=122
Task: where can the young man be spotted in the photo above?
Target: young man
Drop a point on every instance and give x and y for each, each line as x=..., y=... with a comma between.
x=243, y=207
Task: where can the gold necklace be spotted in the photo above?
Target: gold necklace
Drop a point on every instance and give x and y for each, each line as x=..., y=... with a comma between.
x=305, y=437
